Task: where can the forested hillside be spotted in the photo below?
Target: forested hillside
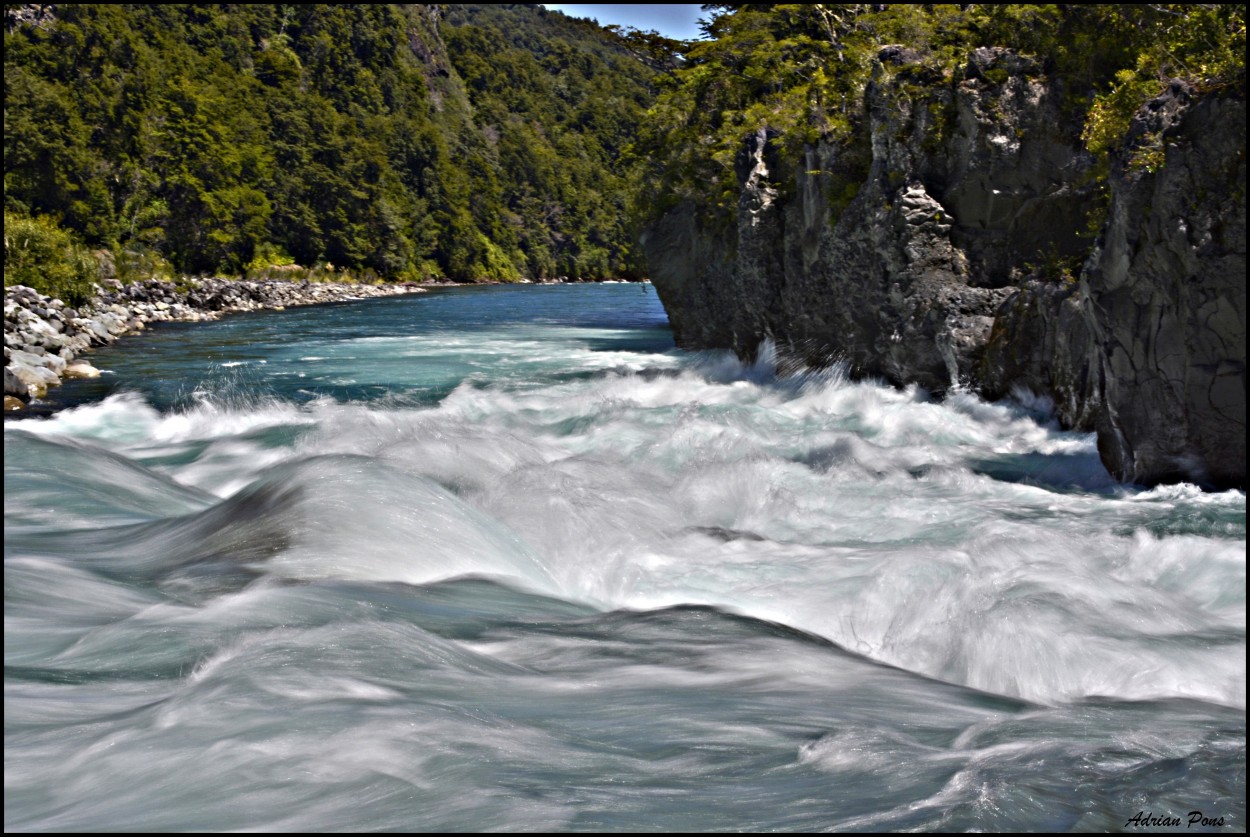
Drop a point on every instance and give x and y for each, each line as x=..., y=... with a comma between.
x=383, y=138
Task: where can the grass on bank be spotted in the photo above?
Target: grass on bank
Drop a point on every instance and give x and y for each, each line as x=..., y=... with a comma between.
x=40, y=254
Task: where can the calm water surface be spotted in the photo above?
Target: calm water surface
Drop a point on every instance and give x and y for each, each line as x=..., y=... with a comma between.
x=504, y=559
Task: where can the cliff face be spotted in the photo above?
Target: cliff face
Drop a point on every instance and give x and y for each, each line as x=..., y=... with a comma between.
x=965, y=182
x=1165, y=298
x=958, y=262
x=1150, y=346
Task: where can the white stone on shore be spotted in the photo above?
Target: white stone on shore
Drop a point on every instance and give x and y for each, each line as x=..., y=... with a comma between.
x=36, y=378
x=55, y=363
x=80, y=369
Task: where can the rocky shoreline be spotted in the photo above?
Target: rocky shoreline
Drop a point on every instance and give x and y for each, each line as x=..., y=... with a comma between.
x=44, y=337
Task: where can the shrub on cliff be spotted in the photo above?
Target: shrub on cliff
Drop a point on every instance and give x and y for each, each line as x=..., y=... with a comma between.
x=1205, y=44
x=40, y=254
x=798, y=71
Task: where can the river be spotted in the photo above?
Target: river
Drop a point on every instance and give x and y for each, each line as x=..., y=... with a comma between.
x=504, y=559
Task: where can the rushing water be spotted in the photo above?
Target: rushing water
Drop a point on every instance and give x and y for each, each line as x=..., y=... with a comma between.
x=503, y=558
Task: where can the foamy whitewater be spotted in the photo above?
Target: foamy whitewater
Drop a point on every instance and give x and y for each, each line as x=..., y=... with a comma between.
x=504, y=559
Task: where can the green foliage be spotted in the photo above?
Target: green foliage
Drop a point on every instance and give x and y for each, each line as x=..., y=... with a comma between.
x=1055, y=268
x=558, y=101
x=217, y=137
x=268, y=256
x=1109, y=118
x=42, y=255
x=1203, y=44
x=139, y=263
x=801, y=72
x=502, y=141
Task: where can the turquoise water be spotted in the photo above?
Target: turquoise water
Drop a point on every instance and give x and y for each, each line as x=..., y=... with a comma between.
x=417, y=350
x=503, y=558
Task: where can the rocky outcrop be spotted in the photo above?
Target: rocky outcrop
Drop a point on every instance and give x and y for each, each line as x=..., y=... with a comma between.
x=720, y=285
x=1149, y=347
x=1042, y=341
x=1166, y=297
x=966, y=259
x=958, y=183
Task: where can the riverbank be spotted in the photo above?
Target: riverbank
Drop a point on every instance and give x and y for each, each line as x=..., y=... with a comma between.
x=44, y=339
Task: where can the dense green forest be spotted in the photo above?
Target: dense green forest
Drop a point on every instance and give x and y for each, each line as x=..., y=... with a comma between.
x=413, y=142
x=481, y=142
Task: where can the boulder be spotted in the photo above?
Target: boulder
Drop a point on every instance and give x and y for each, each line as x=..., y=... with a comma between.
x=37, y=379
x=55, y=363
x=80, y=369
x=13, y=385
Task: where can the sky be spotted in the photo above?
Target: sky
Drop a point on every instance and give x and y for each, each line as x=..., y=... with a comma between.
x=675, y=20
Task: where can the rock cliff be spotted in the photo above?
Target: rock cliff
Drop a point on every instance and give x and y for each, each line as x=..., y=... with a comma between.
x=954, y=247
x=1164, y=298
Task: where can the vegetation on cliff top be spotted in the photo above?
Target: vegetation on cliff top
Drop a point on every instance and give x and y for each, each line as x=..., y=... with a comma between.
x=800, y=71
x=227, y=138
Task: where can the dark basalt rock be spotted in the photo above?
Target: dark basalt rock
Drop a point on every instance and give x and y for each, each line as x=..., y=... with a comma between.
x=957, y=180
x=932, y=274
x=1166, y=298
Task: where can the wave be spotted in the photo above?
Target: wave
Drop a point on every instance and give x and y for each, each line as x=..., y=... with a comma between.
x=965, y=541
x=298, y=701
